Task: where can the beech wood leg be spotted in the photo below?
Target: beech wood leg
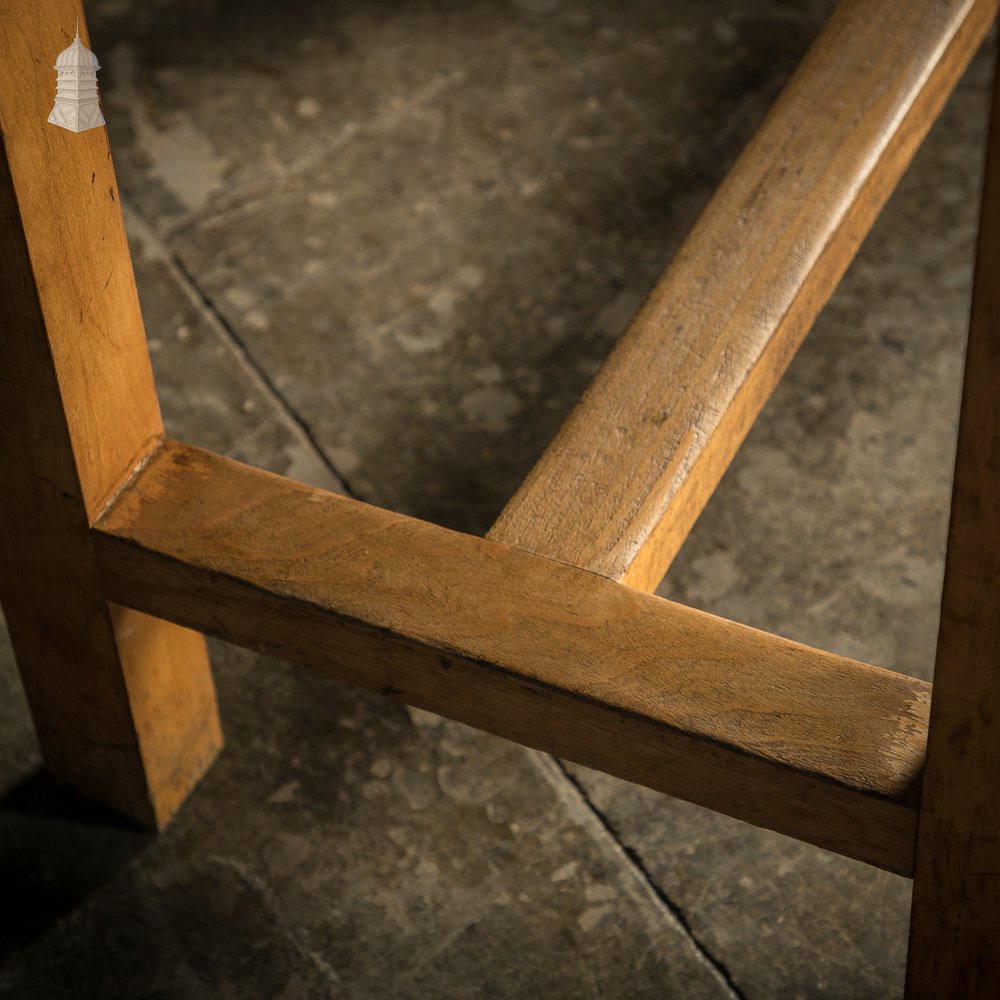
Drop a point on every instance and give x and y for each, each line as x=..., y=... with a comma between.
x=123, y=704
x=955, y=921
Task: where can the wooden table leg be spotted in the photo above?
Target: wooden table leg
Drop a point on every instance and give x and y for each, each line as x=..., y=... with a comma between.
x=123, y=704
x=955, y=922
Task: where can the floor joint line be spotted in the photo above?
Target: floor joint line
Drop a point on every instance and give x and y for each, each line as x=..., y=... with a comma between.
x=635, y=860
x=265, y=382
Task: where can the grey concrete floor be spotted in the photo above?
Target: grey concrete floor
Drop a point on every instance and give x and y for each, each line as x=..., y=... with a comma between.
x=381, y=247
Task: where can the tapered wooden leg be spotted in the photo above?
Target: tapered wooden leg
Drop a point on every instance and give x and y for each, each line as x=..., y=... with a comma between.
x=955, y=923
x=123, y=704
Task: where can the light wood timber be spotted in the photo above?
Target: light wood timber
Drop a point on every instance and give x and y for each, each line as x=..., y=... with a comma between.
x=811, y=744
x=955, y=921
x=621, y=485
x=123, y=705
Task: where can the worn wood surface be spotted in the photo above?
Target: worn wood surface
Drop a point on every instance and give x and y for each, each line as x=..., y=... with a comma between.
x=955, y=924
x=123, y=705
x=624, y=480
x=820, y=747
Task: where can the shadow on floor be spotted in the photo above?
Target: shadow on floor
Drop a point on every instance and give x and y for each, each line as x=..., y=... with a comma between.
x=55, y=852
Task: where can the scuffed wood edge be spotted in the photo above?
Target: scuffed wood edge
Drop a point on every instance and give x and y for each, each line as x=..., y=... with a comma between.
x=822, y=748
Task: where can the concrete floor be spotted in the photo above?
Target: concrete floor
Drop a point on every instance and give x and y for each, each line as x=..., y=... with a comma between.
x=381, y=247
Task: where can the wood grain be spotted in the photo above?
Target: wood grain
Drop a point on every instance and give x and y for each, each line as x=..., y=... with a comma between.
x=820, y=747
x=623, y=482
x=955, y=923
x=123, y=705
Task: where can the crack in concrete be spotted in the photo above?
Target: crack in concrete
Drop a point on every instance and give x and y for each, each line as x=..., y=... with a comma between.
x=155, y=249
x=210, y=312
x=639, y=868
x=264, y=381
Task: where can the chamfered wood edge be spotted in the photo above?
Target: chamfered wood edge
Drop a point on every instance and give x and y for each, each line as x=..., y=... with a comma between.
x=810, y=744
x=651, y=437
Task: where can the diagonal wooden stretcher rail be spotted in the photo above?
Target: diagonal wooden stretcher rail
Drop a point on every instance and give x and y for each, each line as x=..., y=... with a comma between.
x=540, y=632
x=629, y=472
